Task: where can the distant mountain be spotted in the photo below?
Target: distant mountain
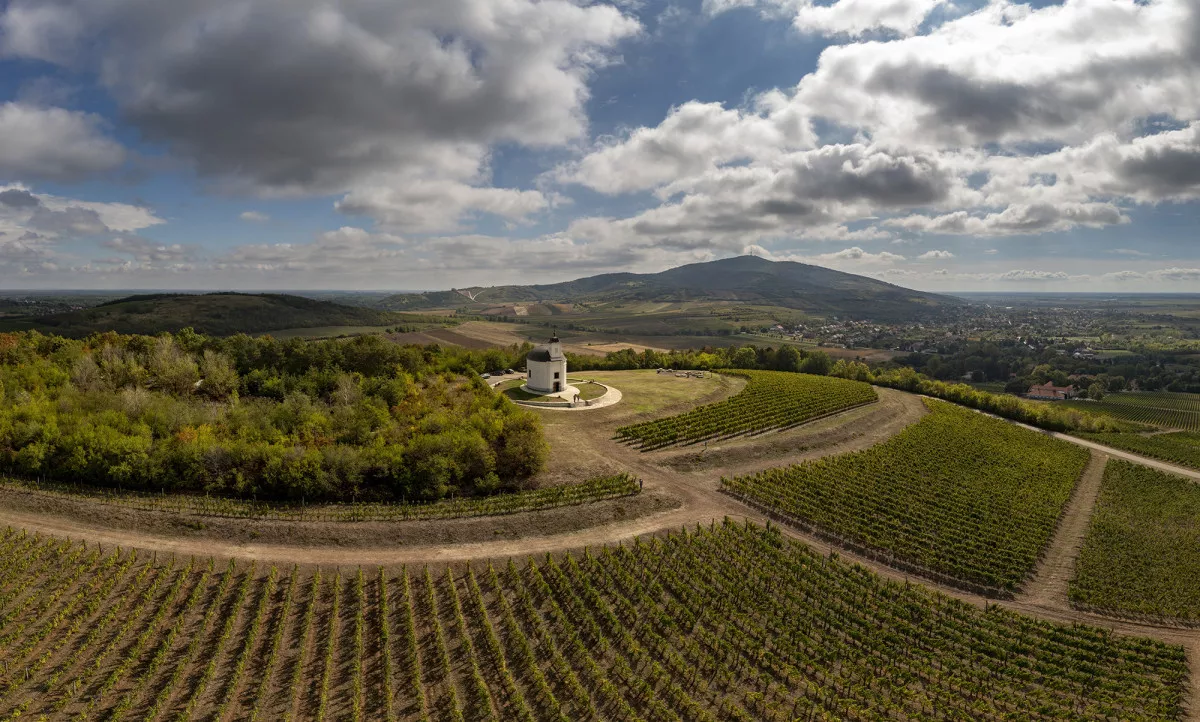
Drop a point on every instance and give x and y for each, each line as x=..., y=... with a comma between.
x=745, y=279
x=217, y=314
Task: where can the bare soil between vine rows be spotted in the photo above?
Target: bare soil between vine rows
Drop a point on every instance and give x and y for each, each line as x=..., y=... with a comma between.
x=681, y=489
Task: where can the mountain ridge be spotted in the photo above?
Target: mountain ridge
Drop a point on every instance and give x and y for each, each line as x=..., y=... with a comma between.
x=746, y=279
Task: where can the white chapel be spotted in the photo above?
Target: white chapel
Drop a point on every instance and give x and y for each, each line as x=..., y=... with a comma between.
x=547, y=368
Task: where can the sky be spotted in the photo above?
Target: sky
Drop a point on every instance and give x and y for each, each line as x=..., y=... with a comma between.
x=947, y=145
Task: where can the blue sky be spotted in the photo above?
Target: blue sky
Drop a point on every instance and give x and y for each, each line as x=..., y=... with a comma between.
x=290, y=144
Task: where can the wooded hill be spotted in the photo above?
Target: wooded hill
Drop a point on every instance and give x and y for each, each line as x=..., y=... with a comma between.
x=745, y=279
x=215, y=314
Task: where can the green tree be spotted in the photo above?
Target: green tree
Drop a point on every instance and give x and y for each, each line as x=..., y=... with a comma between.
x=788, y=359
x=219, y=379
x=171, y=368
x=1096, y=391
x=522, y=451
x=86, y=374
x=817, y=362
x=745, y=358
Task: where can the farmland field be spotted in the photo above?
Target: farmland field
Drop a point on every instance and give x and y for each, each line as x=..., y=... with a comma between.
x=324, y=331
x=1143, y=547
x=729, y=623
x=960, y=494
x=1177, y=447
x=1158, y=408
x=771, y=400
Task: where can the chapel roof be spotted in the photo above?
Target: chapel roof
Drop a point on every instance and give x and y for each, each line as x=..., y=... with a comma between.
x=545, y=354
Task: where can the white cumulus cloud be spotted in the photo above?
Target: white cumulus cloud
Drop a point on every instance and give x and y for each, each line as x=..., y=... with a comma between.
x=39, y=143
x=935, y=256
x=844, y=17
x=288, y=97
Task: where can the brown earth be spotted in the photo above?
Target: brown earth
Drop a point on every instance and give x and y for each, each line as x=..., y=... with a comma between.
x=851, y=430
x=205, y=536
x=488, y=333
x=1049, y=583
x=442, y=336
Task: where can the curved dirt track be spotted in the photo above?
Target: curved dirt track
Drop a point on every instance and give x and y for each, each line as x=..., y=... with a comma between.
x=698, y=495
x=1128, y=456
x=694, y=481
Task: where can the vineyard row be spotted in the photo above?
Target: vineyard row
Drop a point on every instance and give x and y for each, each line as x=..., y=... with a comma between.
x=969, y=498
x=598, y=489
x=733, y=622
x=770, y=400
x=1142, y=548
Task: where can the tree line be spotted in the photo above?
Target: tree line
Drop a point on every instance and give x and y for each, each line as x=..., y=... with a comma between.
x=891, y=374
x=336, y=420
x=750, y=357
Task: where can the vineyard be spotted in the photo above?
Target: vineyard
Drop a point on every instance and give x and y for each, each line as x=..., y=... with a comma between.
x=959, y=495
x=598, y=489
x=731, y=623
x=1178, y=447
x=770, y=400
x=1156, y=408
x=1143, y=547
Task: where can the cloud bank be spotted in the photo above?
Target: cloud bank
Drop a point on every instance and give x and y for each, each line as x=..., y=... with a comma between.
x=920, y=123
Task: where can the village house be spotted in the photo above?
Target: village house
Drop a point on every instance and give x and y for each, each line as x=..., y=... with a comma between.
x=1050, y=391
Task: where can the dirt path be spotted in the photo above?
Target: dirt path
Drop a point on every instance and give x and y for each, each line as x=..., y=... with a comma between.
x=1047, y=608
x=1048, y=587
x=697, y=494
x=1192, y=703
x=1116, y=453
x=330, y=556
x=1127, y=456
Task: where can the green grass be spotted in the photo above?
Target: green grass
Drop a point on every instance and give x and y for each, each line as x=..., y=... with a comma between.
x=1141, y=555
x=512, y=389
x=964, y=496
x=992, y=387
x=587, y=389
x=646, y=392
